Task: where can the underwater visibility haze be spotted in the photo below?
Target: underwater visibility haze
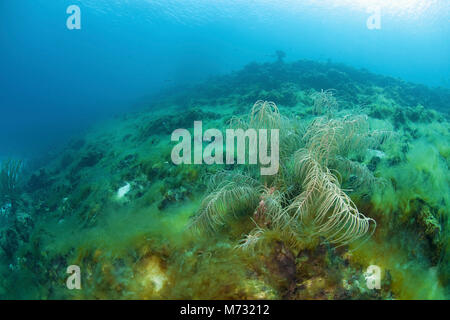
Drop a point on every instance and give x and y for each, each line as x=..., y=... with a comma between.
x=199, y=149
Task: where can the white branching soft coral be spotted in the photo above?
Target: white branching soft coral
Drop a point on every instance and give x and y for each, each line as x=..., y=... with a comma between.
x=305, y=198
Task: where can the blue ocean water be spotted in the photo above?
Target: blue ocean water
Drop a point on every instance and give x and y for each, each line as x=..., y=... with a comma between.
x=54, y=81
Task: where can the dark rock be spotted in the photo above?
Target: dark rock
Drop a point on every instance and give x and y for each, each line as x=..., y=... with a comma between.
x=90, y=159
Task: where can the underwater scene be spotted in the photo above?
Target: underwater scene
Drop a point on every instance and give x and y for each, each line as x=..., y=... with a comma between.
x=224, y=150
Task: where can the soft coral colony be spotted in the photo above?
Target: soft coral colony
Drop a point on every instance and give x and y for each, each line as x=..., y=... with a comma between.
x=305, y=198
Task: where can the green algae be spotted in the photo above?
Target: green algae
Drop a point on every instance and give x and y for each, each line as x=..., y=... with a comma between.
x=139, y=246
